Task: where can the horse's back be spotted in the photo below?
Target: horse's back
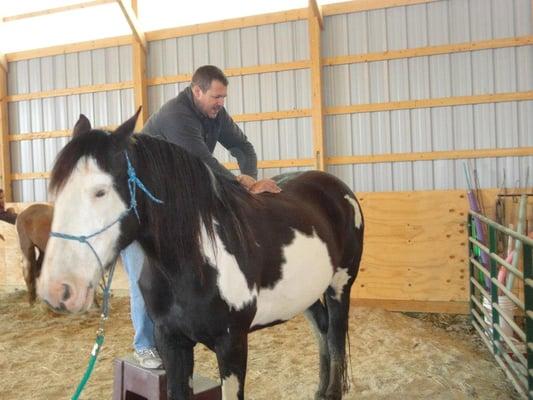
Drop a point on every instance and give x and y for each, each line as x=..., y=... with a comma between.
x=34, y=224
x=312, y=180
x=322, y=194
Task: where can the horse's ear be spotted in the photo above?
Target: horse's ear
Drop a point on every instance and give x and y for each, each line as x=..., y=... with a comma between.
x=124, y=131
x=82, y=126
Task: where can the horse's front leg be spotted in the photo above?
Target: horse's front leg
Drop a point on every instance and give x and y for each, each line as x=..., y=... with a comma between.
x=232, y=353
x=177, y=353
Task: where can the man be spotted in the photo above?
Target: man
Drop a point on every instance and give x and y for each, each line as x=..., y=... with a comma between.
x=196, y=120
x=8, y=215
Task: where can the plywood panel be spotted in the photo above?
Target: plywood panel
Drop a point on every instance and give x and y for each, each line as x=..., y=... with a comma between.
x=415, y=246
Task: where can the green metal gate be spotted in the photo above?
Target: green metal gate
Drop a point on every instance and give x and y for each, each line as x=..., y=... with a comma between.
x=514, y=351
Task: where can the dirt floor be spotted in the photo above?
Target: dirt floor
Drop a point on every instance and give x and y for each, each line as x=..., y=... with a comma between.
x=393, y=355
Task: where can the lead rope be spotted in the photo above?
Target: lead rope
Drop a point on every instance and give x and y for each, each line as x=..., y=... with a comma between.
x=133, y=183
x=99, y=336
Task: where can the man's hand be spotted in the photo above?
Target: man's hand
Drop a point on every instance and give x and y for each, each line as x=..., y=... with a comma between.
x=265, y=185
x=262, y=186
x=246, y=180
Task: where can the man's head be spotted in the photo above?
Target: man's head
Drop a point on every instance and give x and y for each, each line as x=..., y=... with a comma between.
x=209, y=89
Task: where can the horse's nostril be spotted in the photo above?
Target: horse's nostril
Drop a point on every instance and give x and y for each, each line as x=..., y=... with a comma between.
x=67, y=292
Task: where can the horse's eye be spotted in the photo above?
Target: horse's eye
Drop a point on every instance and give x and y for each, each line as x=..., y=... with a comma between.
x=100, y=193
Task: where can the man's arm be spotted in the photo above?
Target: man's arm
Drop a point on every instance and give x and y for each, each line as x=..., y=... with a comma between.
x=233, y=139
x=189, y=136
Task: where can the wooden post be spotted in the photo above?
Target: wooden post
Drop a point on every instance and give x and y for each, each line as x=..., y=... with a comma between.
x=140, y=91
x=5, y=159
x=315, y=24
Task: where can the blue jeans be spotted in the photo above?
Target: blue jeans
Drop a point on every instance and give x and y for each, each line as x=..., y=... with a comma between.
x=133, y=258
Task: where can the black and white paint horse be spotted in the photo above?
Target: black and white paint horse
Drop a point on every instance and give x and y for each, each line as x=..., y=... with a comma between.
x=221, y=262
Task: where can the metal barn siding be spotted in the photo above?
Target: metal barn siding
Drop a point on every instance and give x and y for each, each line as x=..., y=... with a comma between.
x=448, y=128
x=250, y=93
x=61, y=112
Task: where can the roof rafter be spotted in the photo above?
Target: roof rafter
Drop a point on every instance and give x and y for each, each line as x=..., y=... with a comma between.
x=55, y=10
x=316, y=10
x=133, y=23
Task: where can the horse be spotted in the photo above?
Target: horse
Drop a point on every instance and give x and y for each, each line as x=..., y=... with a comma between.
x=33, y=229
x=220, y=262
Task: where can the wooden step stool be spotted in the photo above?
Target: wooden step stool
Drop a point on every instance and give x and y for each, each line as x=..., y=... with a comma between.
x=132, y=382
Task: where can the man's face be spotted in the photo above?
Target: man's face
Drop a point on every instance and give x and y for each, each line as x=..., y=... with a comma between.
x=212, y=100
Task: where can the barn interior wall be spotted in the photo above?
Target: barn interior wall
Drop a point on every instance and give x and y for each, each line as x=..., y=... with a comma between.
x=409, y=205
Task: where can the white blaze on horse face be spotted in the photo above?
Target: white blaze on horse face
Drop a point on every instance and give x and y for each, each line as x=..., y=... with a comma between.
x=87, y=203
x=357, y=210
x=305, y=276
x=230, y=388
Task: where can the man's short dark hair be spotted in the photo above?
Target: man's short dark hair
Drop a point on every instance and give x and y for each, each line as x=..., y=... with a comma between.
x=206, y=74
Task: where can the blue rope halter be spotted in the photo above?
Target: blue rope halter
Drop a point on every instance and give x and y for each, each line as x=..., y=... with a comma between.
x=133, y=183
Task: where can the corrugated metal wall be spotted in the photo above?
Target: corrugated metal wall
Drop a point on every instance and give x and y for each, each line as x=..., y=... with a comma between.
x=72, y=70
x=480, y=126
x=497, y=125
x=254, y=93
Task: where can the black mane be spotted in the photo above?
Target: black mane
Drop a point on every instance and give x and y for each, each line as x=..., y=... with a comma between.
x=204, y=199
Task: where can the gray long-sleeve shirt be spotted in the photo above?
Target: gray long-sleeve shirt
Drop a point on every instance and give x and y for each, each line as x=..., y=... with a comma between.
x=179, y=121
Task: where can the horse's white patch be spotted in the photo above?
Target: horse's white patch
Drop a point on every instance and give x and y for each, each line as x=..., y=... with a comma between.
x=230, y=387
x=231, y=281
x=87, y=203
x=306, y=274
x=357, y=209
x=340, y=279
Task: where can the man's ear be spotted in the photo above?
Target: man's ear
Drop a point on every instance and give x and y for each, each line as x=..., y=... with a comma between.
x=122, y=134
x=82, y=126
x=196, y=91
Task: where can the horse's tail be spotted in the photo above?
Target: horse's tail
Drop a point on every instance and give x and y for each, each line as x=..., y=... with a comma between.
x=352, y=254
x=29, y=267
x=30, y=275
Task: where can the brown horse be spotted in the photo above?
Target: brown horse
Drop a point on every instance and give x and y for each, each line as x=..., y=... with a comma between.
x=33, y=228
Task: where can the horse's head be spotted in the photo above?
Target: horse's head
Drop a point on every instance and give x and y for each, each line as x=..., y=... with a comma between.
x=89, y=183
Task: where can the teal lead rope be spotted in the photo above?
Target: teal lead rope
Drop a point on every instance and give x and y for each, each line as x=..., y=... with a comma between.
x=99, y=337
x=133, y=183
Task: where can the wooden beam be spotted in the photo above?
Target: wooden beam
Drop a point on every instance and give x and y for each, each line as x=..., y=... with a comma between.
x=255, y=69
x=50, y=134
x=366, y=5
x=70, y=48
x=268, y=116
x=55, y=10
x=39, y=135
x=317, y=110
x=430, y=50
x=5, y=160
x=133, y=23
x=317, y=13
x=287, y=163
x=3, y=62
x=224, y=25
x=29, y=175
x=103, y=87
x=428, y=103
x=286, y=114
x=432, y=156
x=140, y=88
x=301, y=162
